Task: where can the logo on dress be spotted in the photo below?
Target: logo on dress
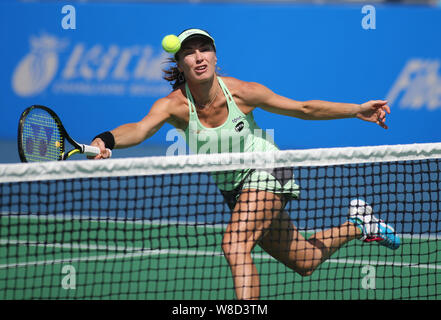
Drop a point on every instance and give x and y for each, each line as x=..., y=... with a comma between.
x=239, y=126
x=237, y=119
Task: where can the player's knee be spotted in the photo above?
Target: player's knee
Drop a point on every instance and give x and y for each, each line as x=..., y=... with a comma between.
x=229, y=249
x=232, y=250
x=226, y=248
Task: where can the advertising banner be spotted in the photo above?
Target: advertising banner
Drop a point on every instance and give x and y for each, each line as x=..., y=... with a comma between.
x=100, y=65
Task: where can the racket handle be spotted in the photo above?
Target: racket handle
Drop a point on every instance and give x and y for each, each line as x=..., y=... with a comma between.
x=93, y=151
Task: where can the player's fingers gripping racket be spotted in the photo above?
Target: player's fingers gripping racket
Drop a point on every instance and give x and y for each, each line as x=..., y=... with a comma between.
x=41, y=137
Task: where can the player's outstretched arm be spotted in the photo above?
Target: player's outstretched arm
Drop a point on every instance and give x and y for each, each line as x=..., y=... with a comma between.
x=131, y=134
x=258, y=95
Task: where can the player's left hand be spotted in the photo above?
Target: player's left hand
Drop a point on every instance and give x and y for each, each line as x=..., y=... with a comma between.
x=374, y=111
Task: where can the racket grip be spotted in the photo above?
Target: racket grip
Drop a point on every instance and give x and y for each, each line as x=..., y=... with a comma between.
x=93, y=151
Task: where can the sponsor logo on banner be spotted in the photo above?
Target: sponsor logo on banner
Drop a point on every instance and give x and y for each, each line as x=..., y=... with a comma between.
x=418, y=85
x=83, y=69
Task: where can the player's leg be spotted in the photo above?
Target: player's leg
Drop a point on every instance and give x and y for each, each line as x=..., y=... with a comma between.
x=258, y=217
x=250, y=220
x=285, y=243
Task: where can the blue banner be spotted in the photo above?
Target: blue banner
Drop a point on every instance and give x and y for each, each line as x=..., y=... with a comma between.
x=100, y=65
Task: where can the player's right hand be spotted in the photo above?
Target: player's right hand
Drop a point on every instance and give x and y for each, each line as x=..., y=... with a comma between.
x=104, y=153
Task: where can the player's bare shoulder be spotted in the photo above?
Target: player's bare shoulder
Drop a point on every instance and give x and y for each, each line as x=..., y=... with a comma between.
x=243, y=93
x=175, y=103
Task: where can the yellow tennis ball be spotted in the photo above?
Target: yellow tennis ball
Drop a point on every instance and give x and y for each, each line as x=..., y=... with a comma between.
x=57, y=144
x=171, y=43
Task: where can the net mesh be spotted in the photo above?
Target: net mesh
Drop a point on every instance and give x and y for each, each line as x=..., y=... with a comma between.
x=155, y=228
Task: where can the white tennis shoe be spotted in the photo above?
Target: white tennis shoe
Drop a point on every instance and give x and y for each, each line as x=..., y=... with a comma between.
x=372, y=228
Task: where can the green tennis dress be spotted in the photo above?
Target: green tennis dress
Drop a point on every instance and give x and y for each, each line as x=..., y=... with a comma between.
x=239, y=133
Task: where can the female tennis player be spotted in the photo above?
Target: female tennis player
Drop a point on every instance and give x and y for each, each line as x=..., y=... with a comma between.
x=201, y=102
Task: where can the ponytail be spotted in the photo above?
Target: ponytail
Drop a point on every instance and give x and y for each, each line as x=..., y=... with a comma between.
x=173, y=75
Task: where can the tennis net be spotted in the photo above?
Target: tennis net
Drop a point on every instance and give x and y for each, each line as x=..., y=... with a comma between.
x=154, y=228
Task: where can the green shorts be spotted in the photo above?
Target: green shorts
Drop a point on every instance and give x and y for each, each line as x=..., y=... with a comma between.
x=277, y=181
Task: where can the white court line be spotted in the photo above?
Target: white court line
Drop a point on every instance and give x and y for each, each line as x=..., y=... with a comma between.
x=76, y=246
x=168, y=222
x=141, y=252
x=159, y=222
x=385, y=263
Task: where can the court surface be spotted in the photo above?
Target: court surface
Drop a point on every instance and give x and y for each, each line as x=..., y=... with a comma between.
x=136, y=259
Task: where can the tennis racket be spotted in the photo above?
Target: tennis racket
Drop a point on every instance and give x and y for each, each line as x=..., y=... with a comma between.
x=42, y=137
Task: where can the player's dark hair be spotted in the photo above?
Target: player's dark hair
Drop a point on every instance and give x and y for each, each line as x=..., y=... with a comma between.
x=173, y=75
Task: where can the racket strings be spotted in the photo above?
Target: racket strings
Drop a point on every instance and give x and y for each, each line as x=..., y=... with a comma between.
x=41, y=137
